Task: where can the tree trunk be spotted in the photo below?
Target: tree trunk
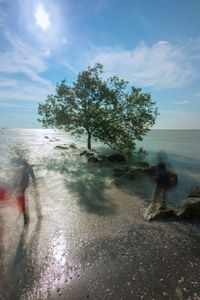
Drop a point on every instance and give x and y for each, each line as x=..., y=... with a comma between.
x=89, y=141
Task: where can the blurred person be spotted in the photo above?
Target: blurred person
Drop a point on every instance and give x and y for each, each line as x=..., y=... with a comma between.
x=22, y=173
x=162, y=183
x=163, y=178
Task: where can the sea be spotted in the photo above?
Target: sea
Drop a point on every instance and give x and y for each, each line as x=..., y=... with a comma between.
x=180, y=149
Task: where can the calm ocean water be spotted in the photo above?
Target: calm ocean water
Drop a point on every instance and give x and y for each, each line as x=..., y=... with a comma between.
x=182, y=148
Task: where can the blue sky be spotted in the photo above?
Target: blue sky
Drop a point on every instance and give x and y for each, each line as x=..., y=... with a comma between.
x=153, y=44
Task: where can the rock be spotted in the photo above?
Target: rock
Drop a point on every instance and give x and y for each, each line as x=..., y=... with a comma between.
x=73, y=146
x=195, y=192
x=130, y=175
x=83, y=153
x=93, y=159
x=116, y=182
x=188, y=208
x=46, y=137
x=153, y=214
x=103, y=158
x=87, y=153
x=116, y=158
x=120, y=172
x=143, y=164
x=61, y=147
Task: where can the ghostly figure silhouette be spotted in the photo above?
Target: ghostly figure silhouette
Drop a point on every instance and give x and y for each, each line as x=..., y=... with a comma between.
x=23, y=173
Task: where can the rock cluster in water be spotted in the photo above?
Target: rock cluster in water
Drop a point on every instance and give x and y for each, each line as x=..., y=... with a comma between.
x=93, y=157
x=185, y=210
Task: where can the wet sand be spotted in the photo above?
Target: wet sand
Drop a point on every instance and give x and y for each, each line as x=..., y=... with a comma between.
x=93, y=243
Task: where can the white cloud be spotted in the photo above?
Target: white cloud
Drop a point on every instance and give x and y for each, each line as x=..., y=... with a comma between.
x=70, y=67
x=197, y=95
x=64, y=40
x=174, y=112
x=4, y=104
x=5, y=82
x=46, y=53
x=182, y=102
x=42, y=17
x=27, y=91
x=22, y=58
x=162, y=65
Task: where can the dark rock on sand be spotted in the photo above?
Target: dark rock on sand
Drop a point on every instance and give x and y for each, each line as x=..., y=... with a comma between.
x=194, y=192
x=157, y=213
x=185, y=209
x=73, y=146
x=46, y=137
x=61, y=147
x=188, y=208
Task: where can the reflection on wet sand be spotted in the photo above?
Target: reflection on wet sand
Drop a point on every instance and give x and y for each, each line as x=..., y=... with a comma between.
x=23, y=268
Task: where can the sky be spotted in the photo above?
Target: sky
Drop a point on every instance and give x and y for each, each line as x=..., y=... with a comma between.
x=155, y=45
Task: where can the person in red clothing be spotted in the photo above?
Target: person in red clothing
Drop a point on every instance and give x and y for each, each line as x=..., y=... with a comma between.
x=25, y=173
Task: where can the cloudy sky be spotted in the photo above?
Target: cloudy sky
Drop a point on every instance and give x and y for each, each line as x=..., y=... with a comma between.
x=153, y=44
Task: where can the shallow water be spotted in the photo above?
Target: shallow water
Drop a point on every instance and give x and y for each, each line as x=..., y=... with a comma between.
x=88, y=223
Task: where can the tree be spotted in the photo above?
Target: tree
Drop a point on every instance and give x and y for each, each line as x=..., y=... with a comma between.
x=108, y=110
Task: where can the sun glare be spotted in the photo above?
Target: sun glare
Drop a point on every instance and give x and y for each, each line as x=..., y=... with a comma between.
x=42, y=17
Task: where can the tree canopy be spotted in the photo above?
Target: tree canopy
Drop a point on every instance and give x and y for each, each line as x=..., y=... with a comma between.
x=110, y=110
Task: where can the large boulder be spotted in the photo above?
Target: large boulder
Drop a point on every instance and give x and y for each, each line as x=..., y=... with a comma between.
x=194, y=192
x=156, y=213
x=188, y=208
